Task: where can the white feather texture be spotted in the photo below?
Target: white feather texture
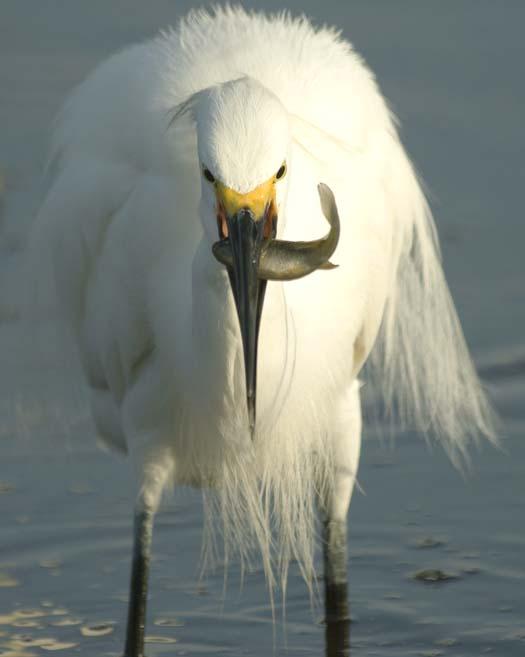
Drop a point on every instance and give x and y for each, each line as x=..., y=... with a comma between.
x=129, y=222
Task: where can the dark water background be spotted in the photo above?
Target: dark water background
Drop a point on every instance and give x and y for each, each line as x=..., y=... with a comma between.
x=453, y=72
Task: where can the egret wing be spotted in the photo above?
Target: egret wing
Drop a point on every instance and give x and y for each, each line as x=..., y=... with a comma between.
x=82, y=233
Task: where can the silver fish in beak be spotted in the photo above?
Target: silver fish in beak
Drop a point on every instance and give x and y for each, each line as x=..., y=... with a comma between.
x=252, y=255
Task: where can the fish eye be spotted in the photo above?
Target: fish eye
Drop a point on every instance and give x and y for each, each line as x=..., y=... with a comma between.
x=282, y=171
x=208, y=175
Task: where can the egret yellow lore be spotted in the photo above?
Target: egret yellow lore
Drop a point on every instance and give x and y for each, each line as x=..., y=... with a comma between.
x=235, y=228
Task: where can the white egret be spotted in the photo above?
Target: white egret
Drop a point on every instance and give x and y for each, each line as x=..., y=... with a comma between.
x=190, y=170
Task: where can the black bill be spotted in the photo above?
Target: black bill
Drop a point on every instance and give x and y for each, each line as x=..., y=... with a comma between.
x=246, y=235
x=252, y=259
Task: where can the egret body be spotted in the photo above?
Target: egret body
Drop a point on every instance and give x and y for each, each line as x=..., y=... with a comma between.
x=224, y=304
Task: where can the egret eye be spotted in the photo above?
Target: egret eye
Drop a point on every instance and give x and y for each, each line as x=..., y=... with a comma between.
x=282, y=171
x=208, y=175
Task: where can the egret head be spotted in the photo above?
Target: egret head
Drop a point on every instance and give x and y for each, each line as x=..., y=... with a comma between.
x=244, y=143
x=243, y=133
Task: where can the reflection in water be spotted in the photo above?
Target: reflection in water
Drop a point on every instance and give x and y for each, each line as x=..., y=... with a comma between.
x=337, y=628
x=337, y=608
x=337, y=638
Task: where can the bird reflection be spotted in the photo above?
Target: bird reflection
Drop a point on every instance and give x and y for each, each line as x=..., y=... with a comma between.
x=337, y=638
x=337, y=622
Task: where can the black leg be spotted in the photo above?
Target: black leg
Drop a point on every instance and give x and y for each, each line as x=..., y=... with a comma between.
x=138, y=593
x=337, y=611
